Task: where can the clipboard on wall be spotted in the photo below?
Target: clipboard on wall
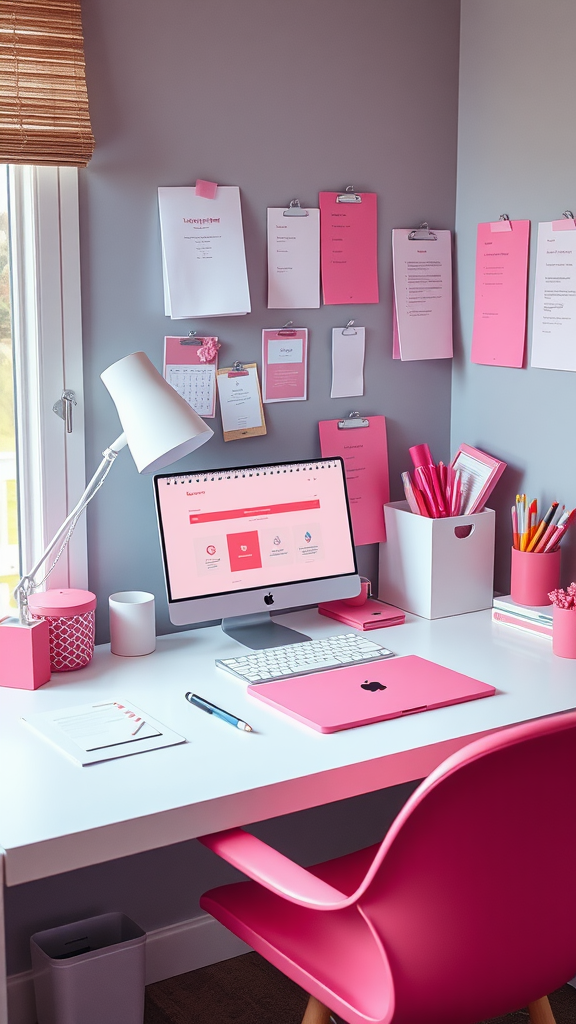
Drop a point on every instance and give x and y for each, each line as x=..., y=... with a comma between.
x=240, y=401
x=361, y=443
x=191, y=376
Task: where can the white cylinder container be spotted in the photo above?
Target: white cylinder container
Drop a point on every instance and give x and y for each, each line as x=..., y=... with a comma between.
x=132, y=623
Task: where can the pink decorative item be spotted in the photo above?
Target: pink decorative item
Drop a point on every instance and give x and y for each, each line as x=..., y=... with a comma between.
x=564, y=632
x=533, y=576
x=208, y=350
x=70, y=617
x=417, y=928
x=564, y=622
x=24, y=654
x=206, y=189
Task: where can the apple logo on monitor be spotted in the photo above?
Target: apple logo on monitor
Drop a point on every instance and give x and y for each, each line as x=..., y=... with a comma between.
x=268, y=599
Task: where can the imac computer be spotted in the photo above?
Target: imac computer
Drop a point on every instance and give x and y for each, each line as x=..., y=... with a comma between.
x=241, y=543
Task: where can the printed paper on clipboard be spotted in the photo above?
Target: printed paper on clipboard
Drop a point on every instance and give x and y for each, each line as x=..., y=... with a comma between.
x=240, y=401
x=349, y=248
x=192, y=378
x=364, y=450
x=422, y=267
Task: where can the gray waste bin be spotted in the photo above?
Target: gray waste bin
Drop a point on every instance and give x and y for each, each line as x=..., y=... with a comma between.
x=90, y=972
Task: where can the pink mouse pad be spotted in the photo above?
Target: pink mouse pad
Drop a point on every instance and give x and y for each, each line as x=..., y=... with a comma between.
x=344, y=698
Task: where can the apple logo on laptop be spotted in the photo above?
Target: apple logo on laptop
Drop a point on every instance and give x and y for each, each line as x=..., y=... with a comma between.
x=268, y=599
x=374, y=685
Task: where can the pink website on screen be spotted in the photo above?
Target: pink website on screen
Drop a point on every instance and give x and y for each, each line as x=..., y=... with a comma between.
x=238, y=529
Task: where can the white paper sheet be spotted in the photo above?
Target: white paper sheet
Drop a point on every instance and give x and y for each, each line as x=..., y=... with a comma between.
x=240, y=401
x=89, y=733
x=293, y=260
x=347, y=362
x=204, y=262
x=554, y=320
x=423, y=295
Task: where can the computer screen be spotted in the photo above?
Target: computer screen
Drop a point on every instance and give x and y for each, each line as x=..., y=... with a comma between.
x=255, y=539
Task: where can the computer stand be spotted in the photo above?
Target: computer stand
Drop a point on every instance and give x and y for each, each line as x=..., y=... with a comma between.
x=259, y=631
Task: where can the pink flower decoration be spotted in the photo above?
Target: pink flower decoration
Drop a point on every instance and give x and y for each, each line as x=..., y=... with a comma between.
x=208, y=350
x=564, y=598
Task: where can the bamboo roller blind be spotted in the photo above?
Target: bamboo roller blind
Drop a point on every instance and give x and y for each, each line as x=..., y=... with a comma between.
x=44, y=116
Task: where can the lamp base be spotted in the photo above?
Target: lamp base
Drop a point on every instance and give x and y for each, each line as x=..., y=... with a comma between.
x=24, y=654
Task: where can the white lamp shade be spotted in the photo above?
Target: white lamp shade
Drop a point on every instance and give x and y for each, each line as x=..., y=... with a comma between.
x=159, y=425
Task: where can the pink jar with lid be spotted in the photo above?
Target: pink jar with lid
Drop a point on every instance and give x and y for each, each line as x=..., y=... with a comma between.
x=70, y=617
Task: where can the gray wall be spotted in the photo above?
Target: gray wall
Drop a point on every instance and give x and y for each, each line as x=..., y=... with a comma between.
x=516, y=155
x=283, y=98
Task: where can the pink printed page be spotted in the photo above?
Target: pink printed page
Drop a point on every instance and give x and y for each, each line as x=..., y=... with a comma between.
x=236, y=529
x=284, y=362
x=422, y=270
x=349, y=249
x=499, y=333
x=365, y=454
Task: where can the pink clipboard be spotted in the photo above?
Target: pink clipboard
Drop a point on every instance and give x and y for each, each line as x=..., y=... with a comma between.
x=499, y=332
x=364, y=449
x=348, y=248
x=284, y=365
x=193, y=377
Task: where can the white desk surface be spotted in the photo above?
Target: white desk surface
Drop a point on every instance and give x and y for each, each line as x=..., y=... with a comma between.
x=56, y=816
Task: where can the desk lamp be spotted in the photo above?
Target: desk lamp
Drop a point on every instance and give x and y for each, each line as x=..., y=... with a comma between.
x=159, y=427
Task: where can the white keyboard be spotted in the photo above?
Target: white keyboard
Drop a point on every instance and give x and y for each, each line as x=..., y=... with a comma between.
x=301, y=659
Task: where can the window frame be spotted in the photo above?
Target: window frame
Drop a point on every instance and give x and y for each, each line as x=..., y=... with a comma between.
x=47, y=335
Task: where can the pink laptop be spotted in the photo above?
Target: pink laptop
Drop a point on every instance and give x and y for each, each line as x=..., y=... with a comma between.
x=344, y=698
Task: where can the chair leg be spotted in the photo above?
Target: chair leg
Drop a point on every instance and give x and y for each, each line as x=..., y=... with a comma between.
x=541, y=1012
x=317, y=1013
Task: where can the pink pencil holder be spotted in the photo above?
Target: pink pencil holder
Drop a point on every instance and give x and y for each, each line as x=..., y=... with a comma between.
x=534, y=576
x=70, y=616
x=564, y=632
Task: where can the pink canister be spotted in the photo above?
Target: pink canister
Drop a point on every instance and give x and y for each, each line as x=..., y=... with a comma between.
x=70, y=616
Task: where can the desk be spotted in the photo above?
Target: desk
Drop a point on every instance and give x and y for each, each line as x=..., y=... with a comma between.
x=56, y=816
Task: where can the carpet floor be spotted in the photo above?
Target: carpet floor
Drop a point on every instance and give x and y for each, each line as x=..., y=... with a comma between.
x=248, y=990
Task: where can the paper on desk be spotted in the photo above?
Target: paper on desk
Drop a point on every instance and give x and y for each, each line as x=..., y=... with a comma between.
x=347, y=362
x=89, y=733
x=422, y=295
x=499, y=333
x=293, y=260
x=203, y=257
x=554, y=320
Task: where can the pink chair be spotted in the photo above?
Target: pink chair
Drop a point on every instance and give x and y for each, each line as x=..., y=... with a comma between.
x=465, y=911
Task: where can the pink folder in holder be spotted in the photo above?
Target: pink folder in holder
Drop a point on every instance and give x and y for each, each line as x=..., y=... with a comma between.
x=344, y=698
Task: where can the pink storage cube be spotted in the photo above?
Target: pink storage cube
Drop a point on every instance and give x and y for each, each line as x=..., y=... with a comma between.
x=70, y=617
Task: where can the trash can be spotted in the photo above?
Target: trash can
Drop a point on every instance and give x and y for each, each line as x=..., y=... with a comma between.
x=90, y=972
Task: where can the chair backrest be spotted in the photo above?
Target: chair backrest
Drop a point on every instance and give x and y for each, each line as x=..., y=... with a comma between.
x=473, y=891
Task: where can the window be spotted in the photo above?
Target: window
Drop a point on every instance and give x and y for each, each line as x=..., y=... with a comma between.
x=42, y=472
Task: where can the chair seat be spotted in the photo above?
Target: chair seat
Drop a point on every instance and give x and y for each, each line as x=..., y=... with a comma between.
x=332, y=955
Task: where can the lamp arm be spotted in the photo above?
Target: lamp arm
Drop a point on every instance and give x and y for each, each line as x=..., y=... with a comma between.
x=28, y=582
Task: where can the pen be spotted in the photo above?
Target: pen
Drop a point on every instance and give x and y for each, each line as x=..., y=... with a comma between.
x=212, y=709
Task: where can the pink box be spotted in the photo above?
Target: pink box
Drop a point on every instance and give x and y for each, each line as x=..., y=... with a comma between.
x=24, y=654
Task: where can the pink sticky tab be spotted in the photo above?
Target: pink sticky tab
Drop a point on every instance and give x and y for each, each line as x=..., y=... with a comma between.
x=566, y=224
x=206, y=189
x=501, y=225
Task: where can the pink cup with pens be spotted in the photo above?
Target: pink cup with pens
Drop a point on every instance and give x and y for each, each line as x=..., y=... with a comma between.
x=533, y=576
